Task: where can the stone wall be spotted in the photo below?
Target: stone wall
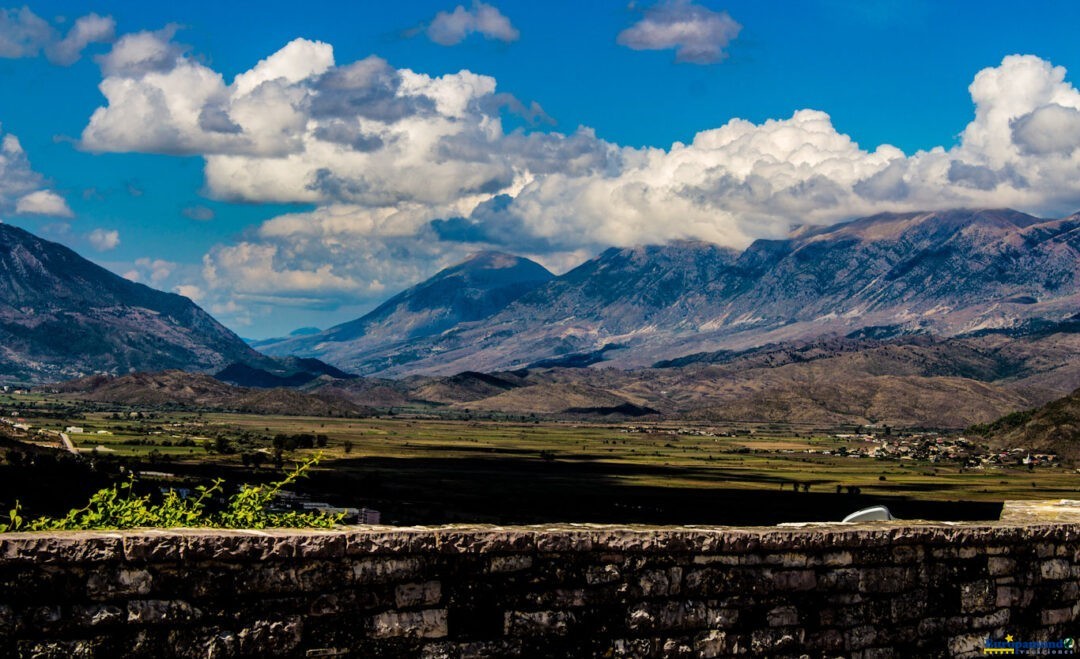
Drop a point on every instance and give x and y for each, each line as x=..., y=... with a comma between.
x=871, y=591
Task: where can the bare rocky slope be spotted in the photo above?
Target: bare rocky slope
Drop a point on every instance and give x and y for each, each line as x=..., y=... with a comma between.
x=62, y=316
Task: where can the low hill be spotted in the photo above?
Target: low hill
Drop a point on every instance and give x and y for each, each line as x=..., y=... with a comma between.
x=284, y=372
x=1054, y=427
x=196, y=391
x=908, y=381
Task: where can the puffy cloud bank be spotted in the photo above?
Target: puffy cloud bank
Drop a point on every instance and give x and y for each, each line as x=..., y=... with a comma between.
x=408, y=172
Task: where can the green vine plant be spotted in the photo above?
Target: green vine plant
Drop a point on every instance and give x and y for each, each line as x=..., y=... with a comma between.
x=118, y=507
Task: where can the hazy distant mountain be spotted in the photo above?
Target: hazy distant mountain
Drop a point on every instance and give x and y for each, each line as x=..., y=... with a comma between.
x=481, y=286
x=943, y=273
x=300, y=331
x=61, y=316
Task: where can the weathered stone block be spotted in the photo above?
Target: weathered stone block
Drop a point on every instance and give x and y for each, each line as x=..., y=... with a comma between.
x=825, y=641
x=712, y=644
x=372, y=570
x=660, y=616
x=538, y=623
x=1000, y=566
x=995, y=620
x=93, y=615
x=1045, y=550
x=837, y=558
x=1055, y=569
x=106, y=583
x=843, y=579
x=787, y=559
x=978, y=596
x=1060, y=616
x=661, y=583
x=418, y=594
x=65, y=548
x=774, y=641
x=430, y=623
x=931, y=627
x=860, y=637
x=909, y=607
x=320, y=575
x=631, y=647
x=716, y=560
x=270, y=637
x=154, y=546
x=903, y=555
x=152, y=612
x=874, y=653
x=332, y=603
x=887, y=579
x=268, y=578
x=783, y=616
x=512, y=563
x=601, y=574
x=966, y=644
x=1007, y=596
x=83, y=649
x=794, y=580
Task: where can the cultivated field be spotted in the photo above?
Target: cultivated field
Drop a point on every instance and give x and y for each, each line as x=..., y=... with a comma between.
x=522, y=470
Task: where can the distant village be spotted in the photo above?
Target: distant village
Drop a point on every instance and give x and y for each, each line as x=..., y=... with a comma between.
x=883, y=444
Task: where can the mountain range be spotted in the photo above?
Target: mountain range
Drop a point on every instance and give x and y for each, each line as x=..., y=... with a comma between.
x=944, y=274
x=937, y=319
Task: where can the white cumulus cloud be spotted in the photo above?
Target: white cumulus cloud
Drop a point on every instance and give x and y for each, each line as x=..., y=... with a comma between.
x=25, y=34
x=87, y=30
x=697, y=34
x=451, y=28
x=22, y=190
x=43, y=202
x=104, y=240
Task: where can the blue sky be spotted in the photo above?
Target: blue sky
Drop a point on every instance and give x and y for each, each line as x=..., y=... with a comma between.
x=274, y=231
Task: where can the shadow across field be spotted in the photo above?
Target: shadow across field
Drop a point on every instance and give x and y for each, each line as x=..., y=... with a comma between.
x=521, y=491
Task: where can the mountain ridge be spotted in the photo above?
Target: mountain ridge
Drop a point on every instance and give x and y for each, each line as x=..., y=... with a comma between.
x=63, y=316
x=474, y=289
x=944, y=273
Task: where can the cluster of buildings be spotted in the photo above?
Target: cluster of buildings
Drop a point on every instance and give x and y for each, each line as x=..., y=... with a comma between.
x=931, y=447
x=686, y=431
x=879, y=442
